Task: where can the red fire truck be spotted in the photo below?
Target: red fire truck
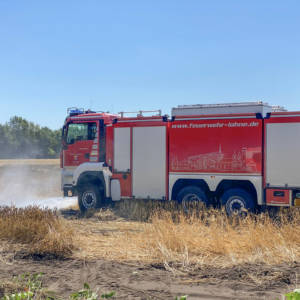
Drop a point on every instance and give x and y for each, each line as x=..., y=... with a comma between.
x=239, y=155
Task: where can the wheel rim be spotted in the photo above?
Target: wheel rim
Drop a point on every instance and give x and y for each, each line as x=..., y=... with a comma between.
x=190, y=198
x=89, y=199
x=237, y=206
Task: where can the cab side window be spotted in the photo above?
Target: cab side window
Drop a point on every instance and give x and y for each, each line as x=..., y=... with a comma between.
x=81, y=132
x=92, y=131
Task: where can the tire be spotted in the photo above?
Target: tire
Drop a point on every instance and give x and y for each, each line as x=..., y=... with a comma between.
x=191, y=194
x=237, y=202
x=89, y=197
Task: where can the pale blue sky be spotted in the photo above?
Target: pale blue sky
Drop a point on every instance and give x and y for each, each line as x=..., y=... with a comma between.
x=132, y=55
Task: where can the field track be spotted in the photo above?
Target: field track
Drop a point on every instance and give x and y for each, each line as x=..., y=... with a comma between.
x=103, y=259
x=143, y=260
x=7, y=162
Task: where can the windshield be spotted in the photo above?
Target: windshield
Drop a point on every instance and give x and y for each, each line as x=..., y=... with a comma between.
x=81, y=132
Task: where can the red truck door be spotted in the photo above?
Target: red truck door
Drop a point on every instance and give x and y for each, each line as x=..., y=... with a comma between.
x=81, y=143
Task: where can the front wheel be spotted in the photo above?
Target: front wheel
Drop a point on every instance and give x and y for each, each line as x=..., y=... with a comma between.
x=89, y=197
x=237, y=202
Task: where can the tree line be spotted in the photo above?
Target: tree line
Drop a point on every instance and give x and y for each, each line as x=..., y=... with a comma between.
x=20, y=138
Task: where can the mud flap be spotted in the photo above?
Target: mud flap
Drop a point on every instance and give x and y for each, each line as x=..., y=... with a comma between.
x=115, y=190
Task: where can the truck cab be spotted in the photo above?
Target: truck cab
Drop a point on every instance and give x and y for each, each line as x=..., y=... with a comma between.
x=83, y=155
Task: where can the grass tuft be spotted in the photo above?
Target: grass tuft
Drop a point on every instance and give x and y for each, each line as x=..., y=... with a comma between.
x=198, y=237
x=40, y=229
x=209, y=237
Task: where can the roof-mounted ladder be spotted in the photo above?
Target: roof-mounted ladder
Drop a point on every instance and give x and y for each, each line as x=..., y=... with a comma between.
x=225, y=108
x=141, y=113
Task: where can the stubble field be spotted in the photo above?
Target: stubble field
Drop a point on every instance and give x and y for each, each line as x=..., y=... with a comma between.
x=141, y=250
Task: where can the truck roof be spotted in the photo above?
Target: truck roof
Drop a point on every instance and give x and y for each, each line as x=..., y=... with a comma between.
x=222, y=110
x=226, y=108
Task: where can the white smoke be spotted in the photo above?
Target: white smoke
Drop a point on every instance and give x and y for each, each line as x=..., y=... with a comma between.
x=23, y=185
x=56, y=202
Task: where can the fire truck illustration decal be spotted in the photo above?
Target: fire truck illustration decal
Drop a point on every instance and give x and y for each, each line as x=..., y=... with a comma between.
x=239, y=161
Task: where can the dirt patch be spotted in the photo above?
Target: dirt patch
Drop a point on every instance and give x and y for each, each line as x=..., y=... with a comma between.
x=116, y=254
x=104, y=264
x=148, y=281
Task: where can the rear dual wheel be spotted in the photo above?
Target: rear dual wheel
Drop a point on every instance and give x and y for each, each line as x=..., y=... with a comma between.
x=191, y=194
x=237, y=202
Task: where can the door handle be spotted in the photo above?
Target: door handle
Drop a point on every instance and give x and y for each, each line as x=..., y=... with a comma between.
x=87, y=155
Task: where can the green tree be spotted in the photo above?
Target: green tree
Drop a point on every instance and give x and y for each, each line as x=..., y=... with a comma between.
x=20, y=138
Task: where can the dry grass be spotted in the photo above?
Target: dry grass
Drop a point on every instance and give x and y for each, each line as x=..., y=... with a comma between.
x=42, y=231
x=103, y=237
x=170, y=236
x=215, y=239
x=207, y=237
x=7, y=162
